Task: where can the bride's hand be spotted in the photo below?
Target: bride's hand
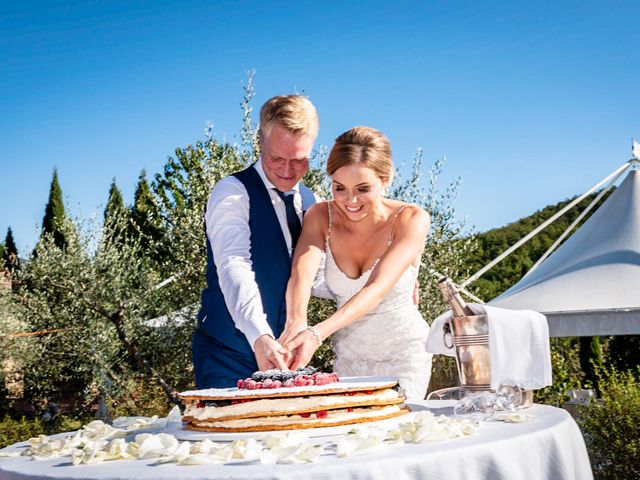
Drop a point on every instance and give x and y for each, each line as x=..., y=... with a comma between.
x=301, y=349
x=291, y=330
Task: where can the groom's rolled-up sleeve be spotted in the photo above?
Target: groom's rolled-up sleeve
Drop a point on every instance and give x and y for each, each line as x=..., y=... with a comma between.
x=227, y=225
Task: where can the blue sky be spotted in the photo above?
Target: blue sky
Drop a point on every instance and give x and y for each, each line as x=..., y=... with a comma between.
x=531, y=102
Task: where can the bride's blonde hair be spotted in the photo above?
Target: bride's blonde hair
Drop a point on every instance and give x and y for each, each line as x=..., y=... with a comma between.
x=362, y=145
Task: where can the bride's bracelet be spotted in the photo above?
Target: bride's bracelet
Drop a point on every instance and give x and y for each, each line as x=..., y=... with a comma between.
x=315, y=333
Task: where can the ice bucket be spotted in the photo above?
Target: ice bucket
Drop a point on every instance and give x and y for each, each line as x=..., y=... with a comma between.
x=469, y=336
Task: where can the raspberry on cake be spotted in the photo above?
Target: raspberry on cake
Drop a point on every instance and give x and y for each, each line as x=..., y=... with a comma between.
x=286, y=378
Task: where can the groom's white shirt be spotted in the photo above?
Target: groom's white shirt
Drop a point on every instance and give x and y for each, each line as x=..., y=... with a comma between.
x=227, y=226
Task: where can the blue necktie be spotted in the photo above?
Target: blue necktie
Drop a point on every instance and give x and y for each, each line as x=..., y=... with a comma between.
x=293, y=221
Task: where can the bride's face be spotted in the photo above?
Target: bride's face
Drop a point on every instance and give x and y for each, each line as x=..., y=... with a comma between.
x=356, y=189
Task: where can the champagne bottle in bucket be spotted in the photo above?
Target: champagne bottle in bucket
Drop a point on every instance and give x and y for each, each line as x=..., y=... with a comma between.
x=451, y=295
x=469, y=334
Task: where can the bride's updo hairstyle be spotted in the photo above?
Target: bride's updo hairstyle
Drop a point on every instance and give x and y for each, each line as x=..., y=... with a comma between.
x=362, y=145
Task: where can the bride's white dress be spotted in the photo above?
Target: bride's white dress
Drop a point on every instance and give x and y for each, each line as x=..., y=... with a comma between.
x=388, y=341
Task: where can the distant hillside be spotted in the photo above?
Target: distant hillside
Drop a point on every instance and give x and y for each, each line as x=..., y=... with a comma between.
x=493, y=242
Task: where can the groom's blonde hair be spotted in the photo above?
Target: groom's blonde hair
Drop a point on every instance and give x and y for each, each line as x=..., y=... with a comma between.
x=362, y=145
x=296, y=113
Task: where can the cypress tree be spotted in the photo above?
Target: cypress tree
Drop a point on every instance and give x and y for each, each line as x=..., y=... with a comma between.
x=115, y=204
x=116, y=217
x=145, y=218
x=54, y=214
x=10, y=254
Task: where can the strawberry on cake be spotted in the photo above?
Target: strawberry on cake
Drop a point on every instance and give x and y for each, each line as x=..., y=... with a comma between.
x=283, y=400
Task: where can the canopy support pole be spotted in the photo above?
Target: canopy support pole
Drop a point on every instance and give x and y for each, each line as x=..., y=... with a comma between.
x=544, y=225
x=573, y=225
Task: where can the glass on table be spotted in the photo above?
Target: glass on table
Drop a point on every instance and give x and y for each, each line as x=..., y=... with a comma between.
x=480, y=406
x=476, y=406
x=509, y=395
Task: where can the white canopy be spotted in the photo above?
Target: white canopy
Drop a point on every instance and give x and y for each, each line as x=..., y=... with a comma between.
x=591, y=284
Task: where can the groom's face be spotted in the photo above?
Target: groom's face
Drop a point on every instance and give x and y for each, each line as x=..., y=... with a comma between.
x=285, y=157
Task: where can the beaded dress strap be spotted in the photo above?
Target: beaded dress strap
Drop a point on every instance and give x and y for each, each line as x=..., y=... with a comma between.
x=326, y=239
x=390, y=238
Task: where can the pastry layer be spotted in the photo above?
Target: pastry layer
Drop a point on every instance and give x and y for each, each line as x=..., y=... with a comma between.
x=287, y=406
x=346, y=384
x=333, y=418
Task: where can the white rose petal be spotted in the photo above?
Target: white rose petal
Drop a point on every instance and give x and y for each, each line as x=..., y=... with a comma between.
x=362, y=442
x=136, y=423
x=100, y=430
x=515, y=417
x=205, y=446
x=9, y=454
x=284, y=440
x=427, y=428
x=285, y=448
x=174, y=414
x=118, y=448
x=246, y=449
x=179, y=454
x=199, y=459
x=309, y=454
x=222, y=453
x=87, y=457
x=268, y=457
x=160, y=445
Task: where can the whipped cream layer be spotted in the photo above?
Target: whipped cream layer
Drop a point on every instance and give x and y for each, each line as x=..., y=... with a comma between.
x=346, y=384
x=333, y=417
x=280, y=406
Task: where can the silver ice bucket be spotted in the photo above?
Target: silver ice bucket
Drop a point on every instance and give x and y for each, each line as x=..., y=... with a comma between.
x=470, y=337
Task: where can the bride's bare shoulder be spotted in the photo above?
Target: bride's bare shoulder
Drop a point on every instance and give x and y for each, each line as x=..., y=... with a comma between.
x=412, y=214
x=317, y=214
x=318, y=210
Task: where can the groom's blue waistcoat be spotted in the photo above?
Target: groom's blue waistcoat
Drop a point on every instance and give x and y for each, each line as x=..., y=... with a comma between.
x=221, y=352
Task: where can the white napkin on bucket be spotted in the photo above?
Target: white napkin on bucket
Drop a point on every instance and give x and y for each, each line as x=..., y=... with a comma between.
x=518, y=345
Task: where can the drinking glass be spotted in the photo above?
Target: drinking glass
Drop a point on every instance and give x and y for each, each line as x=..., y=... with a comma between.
x=476, y=406
x=509, y=395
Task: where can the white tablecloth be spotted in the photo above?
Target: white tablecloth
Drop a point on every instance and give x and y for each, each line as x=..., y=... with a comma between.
x=551, y=447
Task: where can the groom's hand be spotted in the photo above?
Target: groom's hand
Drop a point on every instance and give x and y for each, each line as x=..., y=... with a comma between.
x=269, y=353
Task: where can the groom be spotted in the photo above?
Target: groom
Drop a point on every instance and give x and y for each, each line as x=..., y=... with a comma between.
x=253, y=220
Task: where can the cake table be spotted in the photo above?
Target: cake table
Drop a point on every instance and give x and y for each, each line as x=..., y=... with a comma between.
x=550, y=447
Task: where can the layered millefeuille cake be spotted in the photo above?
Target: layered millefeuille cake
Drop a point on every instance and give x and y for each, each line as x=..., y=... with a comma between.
x=289, y=400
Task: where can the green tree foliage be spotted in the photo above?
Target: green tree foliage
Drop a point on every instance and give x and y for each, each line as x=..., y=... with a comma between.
x=146, y=225
x=182, y=190
x=611, y=427
x=624, y=351
x=91, y=311
x=54, y=215
x=14, y=430
x=10, y=252
x=116, y=217
x=567, y=372
x=115, y=204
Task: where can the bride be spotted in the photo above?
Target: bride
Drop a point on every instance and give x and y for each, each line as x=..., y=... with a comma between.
x=373, y=246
